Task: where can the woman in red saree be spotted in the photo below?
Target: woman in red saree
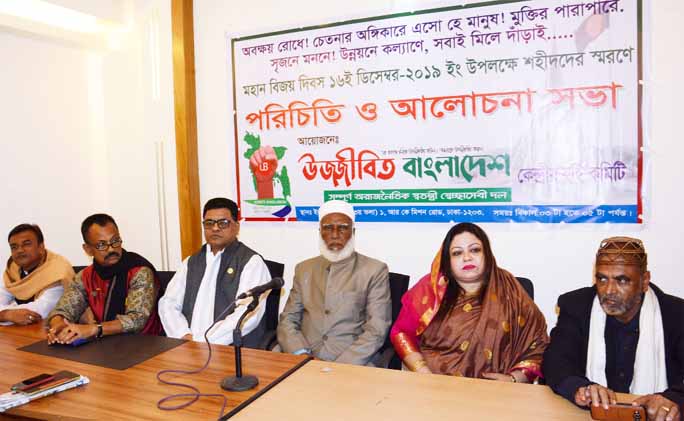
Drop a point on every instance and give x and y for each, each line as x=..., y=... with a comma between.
x=468, y=317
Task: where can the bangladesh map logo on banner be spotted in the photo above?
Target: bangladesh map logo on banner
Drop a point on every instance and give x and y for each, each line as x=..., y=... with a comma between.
x=271, y=184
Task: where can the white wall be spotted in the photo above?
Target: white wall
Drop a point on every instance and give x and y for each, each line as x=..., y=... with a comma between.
x=556, y=258
x=41, y=141
x=80, y=124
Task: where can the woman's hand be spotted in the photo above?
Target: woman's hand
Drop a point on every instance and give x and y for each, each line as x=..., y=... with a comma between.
x=416, y=362
x=514, y=377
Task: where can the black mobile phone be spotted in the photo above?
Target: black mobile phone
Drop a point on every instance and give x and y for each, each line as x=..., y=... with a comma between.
x=30, y=381
x=55, y=380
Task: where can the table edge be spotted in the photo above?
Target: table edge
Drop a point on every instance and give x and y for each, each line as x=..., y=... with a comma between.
x=257, y=395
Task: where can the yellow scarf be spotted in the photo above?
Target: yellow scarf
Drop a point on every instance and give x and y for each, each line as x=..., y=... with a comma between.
x=55, y=269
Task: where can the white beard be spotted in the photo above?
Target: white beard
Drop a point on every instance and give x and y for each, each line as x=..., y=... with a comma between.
x=336, y=256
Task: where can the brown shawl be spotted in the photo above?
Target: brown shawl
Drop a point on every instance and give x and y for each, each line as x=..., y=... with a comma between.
x=54, y=269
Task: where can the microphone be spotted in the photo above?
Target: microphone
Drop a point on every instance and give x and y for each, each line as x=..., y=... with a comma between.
x=258, y=290
x=238, y=382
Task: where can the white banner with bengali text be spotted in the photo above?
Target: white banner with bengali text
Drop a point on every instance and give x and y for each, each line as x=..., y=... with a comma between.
x=511, y=111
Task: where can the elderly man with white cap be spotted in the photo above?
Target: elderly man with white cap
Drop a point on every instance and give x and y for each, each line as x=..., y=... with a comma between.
x=339, y=308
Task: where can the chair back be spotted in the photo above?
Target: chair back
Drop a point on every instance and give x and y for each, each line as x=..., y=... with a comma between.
x=273, y=302
x=398, y=287
x=527, y=285
x=164, y=279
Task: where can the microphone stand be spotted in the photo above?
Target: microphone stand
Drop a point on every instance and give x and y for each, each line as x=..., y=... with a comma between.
x=238, y=382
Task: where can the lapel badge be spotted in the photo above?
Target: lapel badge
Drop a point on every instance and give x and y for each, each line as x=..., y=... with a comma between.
x=230, y=271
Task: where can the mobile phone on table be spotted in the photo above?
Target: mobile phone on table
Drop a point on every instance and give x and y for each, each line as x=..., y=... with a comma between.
x=57, y=379
x=619, y=412
x=32, y=381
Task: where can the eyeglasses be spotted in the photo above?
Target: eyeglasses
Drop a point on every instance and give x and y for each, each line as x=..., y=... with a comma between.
x=341, y=228
x=104, y=245
x=222, y=223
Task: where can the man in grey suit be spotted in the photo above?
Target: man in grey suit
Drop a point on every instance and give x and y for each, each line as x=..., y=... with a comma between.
x=339, y=308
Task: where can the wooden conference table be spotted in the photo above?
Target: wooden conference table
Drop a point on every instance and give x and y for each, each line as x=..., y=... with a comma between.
x=132, y=394
x=321, y=390
x=316, y=390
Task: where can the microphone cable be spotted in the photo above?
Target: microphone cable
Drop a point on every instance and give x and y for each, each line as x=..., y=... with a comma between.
x=196, y=393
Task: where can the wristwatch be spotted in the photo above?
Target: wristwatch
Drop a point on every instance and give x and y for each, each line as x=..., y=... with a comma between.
x=99, y=331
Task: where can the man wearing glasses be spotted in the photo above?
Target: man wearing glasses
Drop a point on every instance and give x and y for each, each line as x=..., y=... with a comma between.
x=209, y=281
x=117, y=293
x=339, y=308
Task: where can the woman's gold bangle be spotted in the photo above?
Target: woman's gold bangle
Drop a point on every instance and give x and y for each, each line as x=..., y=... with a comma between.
x=419, y=364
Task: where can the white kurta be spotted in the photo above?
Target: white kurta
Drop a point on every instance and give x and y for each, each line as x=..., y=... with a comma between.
x=41, y=305
x=175, y=324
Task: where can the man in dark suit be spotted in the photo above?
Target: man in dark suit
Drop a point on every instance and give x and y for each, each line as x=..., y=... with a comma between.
x=621, y=335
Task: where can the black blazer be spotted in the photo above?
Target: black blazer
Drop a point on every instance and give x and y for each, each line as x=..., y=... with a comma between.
x=566, y=355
